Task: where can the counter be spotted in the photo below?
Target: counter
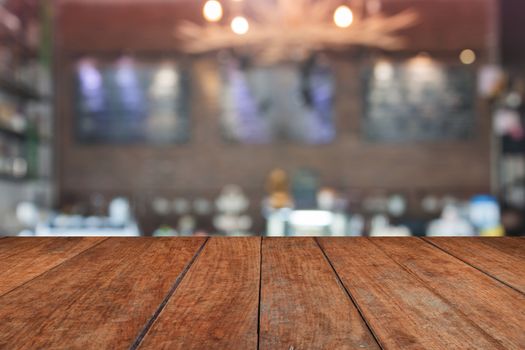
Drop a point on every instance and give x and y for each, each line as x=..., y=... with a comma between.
x=262, y=293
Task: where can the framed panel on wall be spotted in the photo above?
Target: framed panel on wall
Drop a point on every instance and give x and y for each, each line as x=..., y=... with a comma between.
x=285, y=102
x=419, y=100
x=129, y=100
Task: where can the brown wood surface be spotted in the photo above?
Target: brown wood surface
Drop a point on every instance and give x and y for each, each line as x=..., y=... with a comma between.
x=402, y=311
x=100, y=299
x=216, y=305
x=502, y=258
x=253, y=293
x=22, y=259
x=303, y=305
x=469, y=290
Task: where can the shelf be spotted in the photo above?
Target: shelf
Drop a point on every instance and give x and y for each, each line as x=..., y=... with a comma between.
x=13, y=133
x=22, y=135
x=26, y=178
x=18, y=89
x=10, y=178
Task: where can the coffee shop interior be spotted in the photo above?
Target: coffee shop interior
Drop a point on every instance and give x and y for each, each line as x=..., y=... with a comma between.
x=262, y=117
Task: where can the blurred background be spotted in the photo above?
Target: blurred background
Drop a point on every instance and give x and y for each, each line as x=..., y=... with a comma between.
x=262, y=117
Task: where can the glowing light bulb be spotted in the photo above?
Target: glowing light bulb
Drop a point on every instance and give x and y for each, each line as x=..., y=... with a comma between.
x=343, y=17
x=240, y=25
x=212, y=11
x=467, y=56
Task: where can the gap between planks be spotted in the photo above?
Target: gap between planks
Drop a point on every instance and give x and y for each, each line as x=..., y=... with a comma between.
x=434, y=291
x=54, y=267
x=348, y=294
x=162, y=305
x=424, y=239
x=260, y=294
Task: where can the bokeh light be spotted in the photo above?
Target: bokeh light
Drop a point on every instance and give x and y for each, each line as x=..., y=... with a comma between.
x=240, y=25
x=343, y=17
x=212, y=11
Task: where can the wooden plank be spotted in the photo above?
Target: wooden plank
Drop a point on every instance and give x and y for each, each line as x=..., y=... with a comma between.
x=303, y=304
x=402, y=311
x=476, y=295
x=216, y=305
x=502, y=258
x=22, y=259
x=100, y=299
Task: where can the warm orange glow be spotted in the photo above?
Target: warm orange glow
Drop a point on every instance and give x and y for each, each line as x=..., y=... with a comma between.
x=240, y=25
x=212, y=11
x=343, y=17
x=467, y=56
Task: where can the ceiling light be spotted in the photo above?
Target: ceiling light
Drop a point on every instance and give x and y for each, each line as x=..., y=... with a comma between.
x=343, y=17
x=240, y=25
x=212, y=11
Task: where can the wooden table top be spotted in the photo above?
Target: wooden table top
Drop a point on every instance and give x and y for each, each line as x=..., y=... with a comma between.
x=253, y=293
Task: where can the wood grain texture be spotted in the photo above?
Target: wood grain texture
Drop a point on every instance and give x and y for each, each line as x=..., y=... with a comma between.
x=503, y=258
x=22, y=259
x=216, y=304
x=478, y=296
x=278, y=293
x=403, y=312
x=303, y=305
x=100, y=299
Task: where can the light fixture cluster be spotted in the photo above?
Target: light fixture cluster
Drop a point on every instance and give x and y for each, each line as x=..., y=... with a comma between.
x=212, y=11
x=284, y=30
